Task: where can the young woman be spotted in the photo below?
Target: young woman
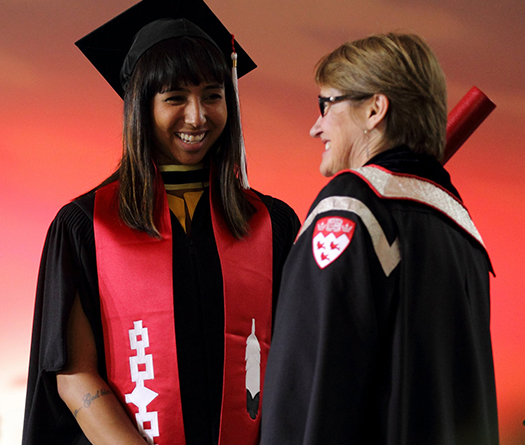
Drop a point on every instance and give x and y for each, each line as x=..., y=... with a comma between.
x=155, y=295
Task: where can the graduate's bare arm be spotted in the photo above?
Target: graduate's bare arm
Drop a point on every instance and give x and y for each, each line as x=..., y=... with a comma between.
x=87, y=395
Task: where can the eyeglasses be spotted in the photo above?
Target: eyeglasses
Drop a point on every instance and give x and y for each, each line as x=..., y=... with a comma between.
x=323, y=101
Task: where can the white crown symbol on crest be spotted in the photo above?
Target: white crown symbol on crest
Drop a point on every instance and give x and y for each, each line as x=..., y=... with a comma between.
x=347, y=227
x=321, y=226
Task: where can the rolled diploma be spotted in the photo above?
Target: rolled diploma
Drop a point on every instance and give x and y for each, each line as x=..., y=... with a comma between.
x=464, y=118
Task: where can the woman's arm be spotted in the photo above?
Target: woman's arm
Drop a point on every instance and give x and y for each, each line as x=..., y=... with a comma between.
x=96, y=409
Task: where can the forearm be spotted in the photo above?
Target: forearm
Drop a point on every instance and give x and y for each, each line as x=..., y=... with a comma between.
x=96, y=409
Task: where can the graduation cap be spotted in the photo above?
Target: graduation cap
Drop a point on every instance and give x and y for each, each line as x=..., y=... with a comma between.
x=107, y=47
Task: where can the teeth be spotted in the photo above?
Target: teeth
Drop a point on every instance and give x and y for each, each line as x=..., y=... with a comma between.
x=327, y=146
x=191, y=138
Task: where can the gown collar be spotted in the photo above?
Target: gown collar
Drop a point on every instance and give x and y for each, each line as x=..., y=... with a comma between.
x=185, y=177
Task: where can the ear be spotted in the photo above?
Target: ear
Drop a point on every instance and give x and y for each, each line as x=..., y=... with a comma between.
x=376, y=111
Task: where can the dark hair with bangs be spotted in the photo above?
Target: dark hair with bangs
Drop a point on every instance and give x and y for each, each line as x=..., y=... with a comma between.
x=167, y=65
x=182, y=61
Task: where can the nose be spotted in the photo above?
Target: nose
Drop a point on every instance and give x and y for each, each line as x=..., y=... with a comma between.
x=315, y=131
x=194, y=113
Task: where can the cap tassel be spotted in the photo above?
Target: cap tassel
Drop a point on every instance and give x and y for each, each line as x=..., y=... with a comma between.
x=243, y=172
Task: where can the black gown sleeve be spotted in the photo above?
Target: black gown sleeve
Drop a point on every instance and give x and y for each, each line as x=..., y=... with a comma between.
x=67, y=266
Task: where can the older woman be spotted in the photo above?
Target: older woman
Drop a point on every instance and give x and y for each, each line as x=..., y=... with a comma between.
x=382, y=329
x=154, y=302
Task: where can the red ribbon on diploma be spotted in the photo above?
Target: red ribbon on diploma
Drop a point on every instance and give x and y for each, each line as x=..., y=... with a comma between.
x=464, y=118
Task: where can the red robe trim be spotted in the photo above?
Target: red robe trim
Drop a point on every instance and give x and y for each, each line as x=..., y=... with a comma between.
x=138, y=318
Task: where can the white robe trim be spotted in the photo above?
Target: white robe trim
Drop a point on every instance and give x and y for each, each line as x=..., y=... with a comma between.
x=395, y=186
x=388, y=255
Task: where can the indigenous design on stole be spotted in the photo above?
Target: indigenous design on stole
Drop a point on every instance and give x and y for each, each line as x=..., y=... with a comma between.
x=138, y=319
x=253, y=373
x=247, y=280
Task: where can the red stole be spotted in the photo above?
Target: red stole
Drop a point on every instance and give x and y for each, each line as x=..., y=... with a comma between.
x=136, y=297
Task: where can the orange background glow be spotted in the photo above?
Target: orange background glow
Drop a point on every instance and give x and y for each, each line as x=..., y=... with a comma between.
x=60, y=130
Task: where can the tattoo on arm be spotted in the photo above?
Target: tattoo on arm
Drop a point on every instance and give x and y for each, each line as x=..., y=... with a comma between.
x=88, y=399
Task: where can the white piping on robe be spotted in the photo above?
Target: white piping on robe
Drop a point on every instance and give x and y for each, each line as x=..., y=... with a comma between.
x=389, y=255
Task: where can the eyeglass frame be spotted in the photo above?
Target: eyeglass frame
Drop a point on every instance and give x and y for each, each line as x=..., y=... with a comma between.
x=334, y=99
x=331, y=100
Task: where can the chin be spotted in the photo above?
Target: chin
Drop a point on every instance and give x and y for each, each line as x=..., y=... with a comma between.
x=326, y=172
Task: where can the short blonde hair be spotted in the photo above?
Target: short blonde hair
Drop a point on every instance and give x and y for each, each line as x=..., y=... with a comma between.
x=407, y=72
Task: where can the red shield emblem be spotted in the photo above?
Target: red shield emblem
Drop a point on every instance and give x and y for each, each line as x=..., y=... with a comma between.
x=332, y=235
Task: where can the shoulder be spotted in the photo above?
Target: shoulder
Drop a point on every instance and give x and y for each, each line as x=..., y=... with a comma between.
x=281, y=214
x=75, y=219
x=274, y=204
x=347, y=206
x=285, y=225
x=80, y=208
x=348, y=194
x=410, y=194
x=345, y=182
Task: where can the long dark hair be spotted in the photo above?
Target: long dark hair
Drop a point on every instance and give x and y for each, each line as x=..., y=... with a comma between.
x=170, y=64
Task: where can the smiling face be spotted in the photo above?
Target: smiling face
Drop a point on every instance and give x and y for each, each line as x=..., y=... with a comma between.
x=187, y=121
x=341, y=133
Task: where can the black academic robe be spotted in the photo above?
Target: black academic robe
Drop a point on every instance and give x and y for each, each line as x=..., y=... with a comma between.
x=69, y=265
x=383, y=345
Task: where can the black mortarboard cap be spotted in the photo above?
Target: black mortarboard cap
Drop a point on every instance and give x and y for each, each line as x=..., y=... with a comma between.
x=107, y=46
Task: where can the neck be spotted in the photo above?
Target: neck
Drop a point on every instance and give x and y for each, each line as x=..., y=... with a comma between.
x=373, y=143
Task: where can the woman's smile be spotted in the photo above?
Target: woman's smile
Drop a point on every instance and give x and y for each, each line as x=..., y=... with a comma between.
x=191, y=138
x=187, y=122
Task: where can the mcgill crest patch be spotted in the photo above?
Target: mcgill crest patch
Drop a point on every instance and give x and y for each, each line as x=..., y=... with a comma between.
x=332, y=235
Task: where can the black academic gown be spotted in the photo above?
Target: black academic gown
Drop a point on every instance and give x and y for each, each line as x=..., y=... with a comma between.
x=361, y=355
x=69, y=264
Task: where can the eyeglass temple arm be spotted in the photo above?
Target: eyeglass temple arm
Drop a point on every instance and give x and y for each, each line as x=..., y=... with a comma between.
x=465, y=118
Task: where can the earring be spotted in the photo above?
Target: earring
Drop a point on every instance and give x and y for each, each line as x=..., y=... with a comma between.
x=365, y=132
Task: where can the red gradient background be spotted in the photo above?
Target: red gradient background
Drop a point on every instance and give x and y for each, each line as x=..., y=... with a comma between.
x=61, y=126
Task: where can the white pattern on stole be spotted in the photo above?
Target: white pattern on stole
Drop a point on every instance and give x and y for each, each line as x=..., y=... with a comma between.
x=141, y=397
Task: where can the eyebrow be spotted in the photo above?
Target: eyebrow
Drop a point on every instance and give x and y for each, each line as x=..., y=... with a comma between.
x=214, y=86
x=211, y=86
